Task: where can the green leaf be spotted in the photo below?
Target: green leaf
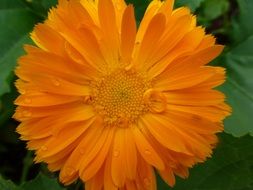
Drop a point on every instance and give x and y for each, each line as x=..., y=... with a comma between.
x=140, y=8
x=242, y=26
x=230, y=168
x=239, y=88
x=6, y=104
x=8, y=63
x=49, y=3
x=11, y=4
x=7, y=184
x=42, y=182
x=215, y=8
x=192, y=4
x=17, y=22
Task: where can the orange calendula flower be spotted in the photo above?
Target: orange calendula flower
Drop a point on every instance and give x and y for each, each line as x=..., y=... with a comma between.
x=110, y=104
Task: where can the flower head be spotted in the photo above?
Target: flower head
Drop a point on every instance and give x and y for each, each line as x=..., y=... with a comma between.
x=104, y=102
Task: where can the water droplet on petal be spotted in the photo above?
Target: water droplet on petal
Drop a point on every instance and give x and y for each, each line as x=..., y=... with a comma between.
x=56, y=81
x=147, y=151
x=147, y=181
x=156, y=100
x=87, y=99
x=44, y=148
x=116, y=153
x=123, y=121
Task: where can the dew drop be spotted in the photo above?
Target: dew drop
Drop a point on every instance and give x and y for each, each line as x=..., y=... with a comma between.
x=147, y=181
x=116, y=153
x=156, y=100
x=147, y=151
x=87, y=99
x=123, y=121
x=44, y=148
x=56, y=82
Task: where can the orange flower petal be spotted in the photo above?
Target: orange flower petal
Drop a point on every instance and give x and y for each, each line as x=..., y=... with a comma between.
x=89, y=169
x=146, y=150
x=168, y=176
x=109, y=28
x=43, y=35
x=164, y=133
x=128, y=33
x=150, y=37
x=118, y=167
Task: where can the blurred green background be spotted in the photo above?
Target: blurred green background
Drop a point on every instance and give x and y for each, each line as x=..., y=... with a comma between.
x=230, y=168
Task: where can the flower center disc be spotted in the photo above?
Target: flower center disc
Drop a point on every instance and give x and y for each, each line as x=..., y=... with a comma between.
x=118, y=97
